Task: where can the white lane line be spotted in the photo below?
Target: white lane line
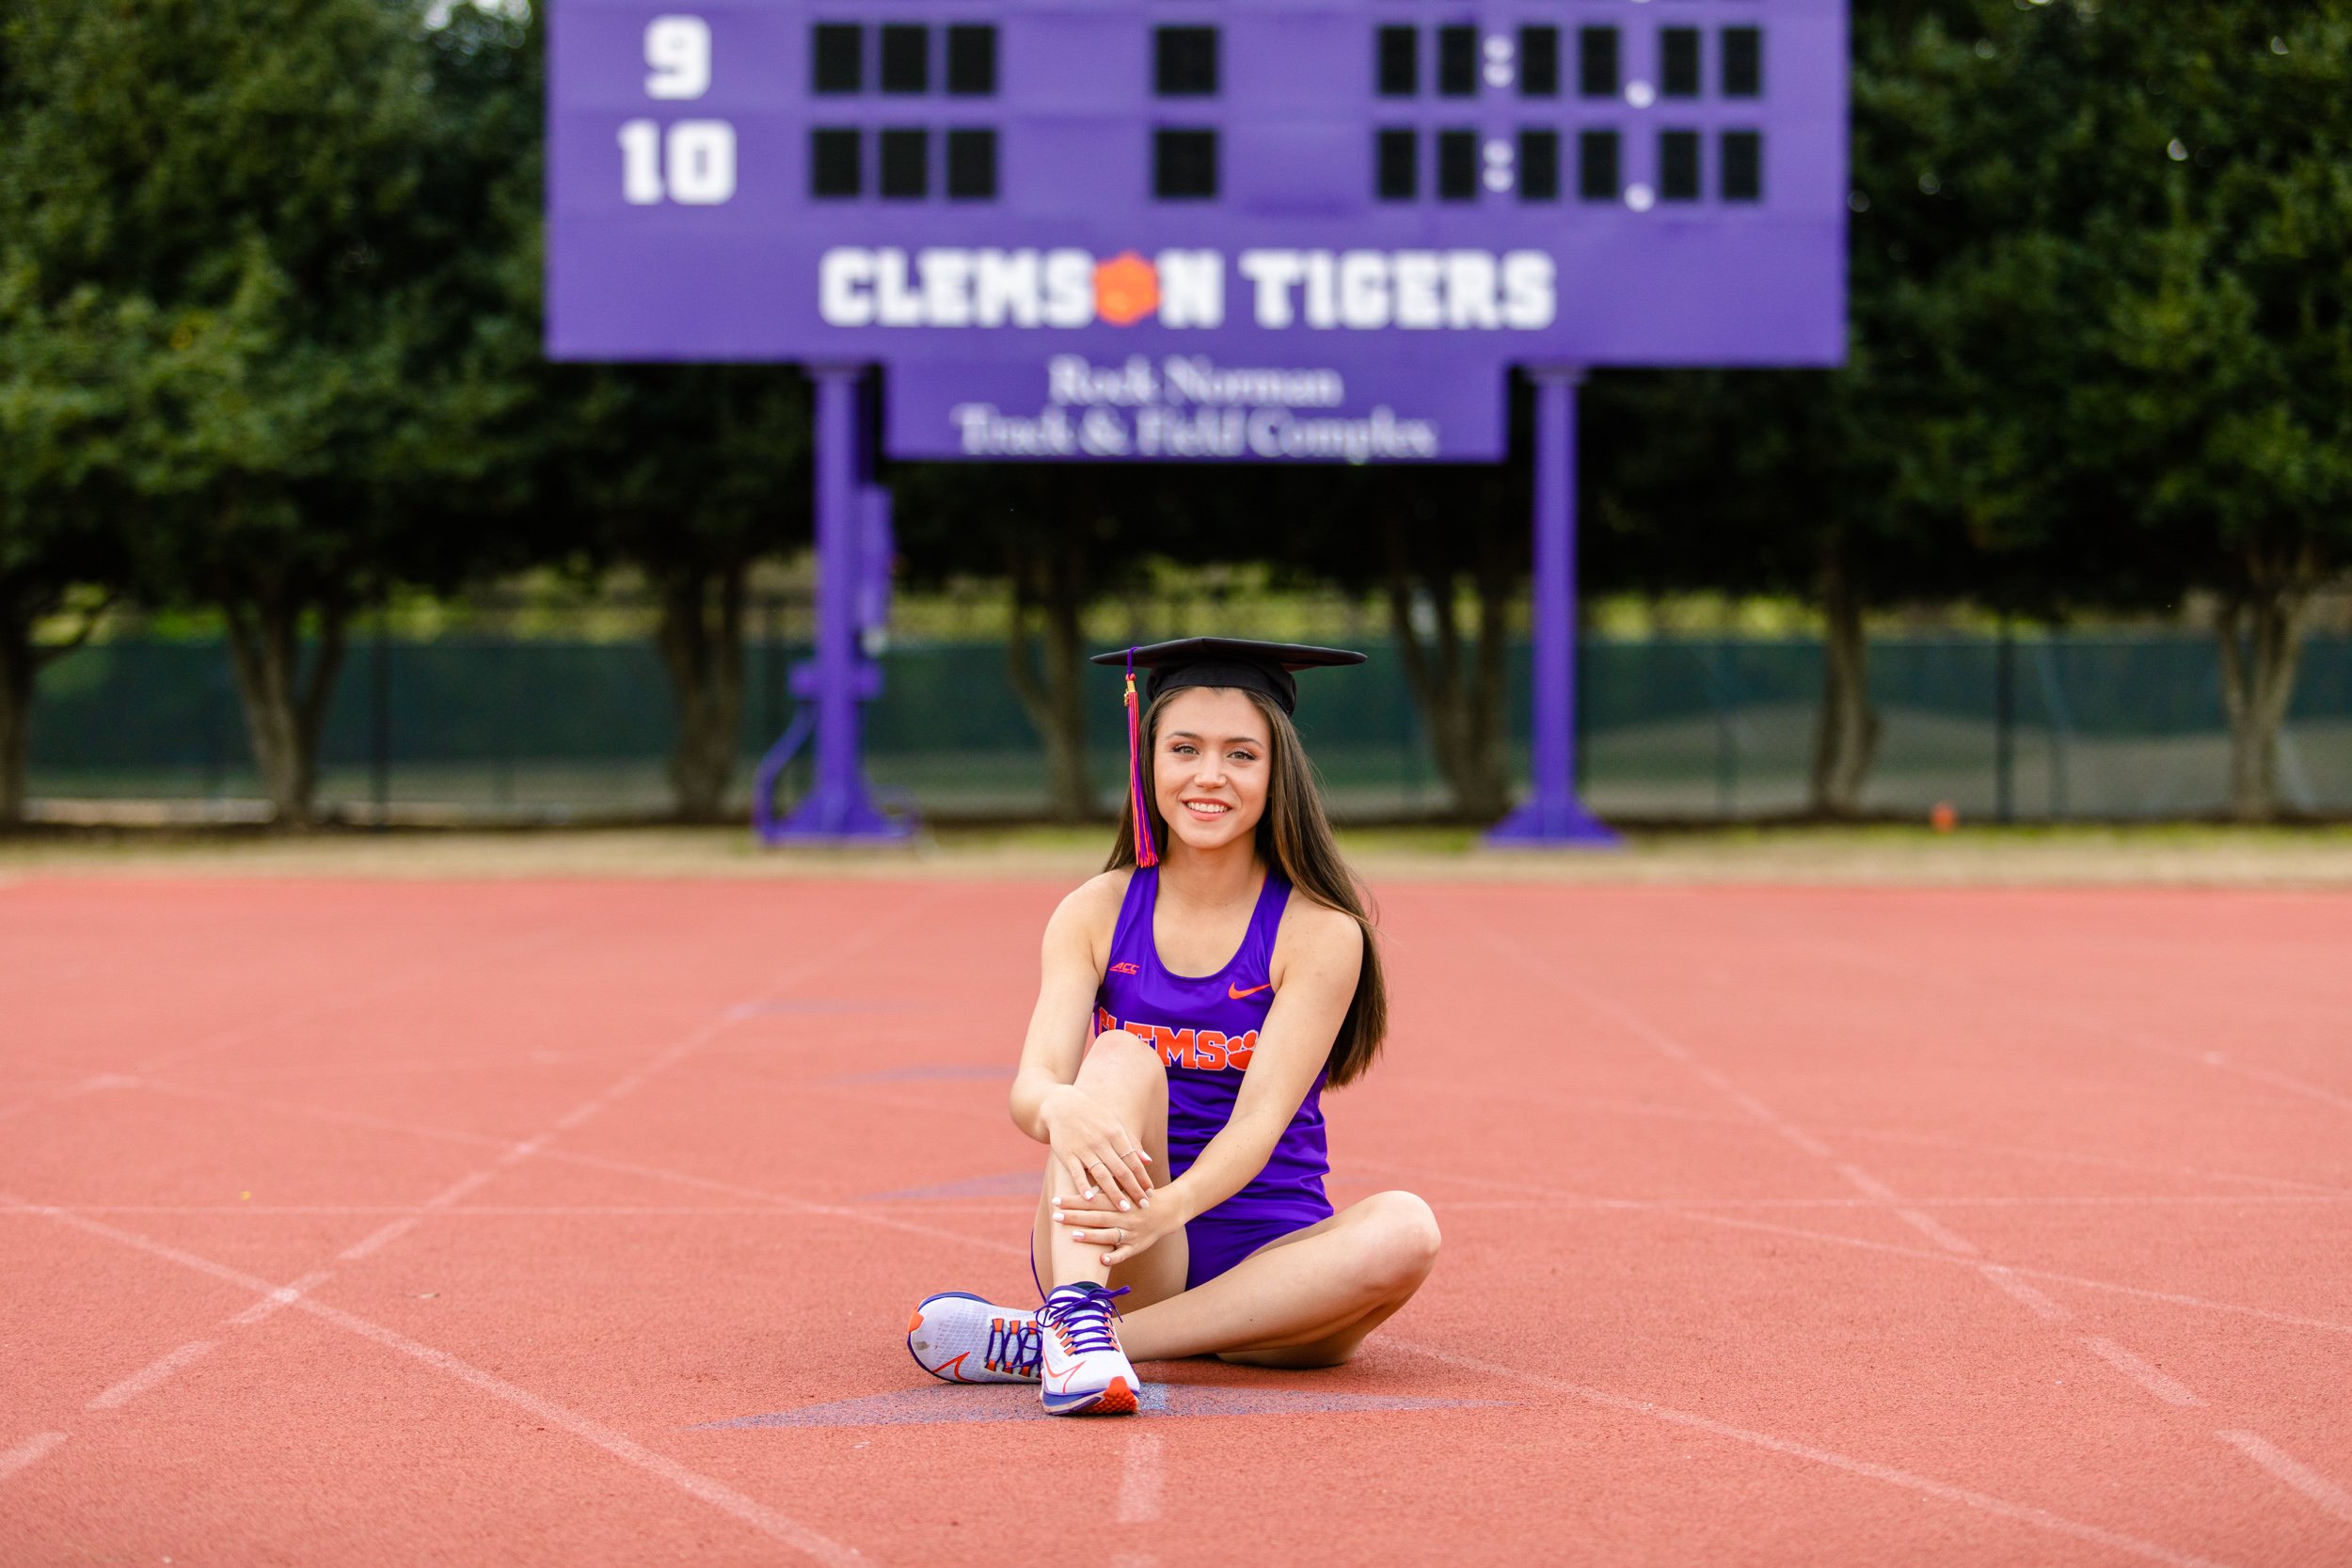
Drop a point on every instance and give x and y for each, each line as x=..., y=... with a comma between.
x=1666, y=1045
x=1521, y=1095
x=1871, y=1186
x=2281, y=1081
x=2331, y=1498
x=456, y=954
x=1934, y=1230
x=2040, y=1518
x=515, y=1154
x=152, y=1374
x=864, y=1215
x=2202, y=1304
x=1564, y=1204
x=1990, y=993
x=619, y=1445
x=382, y=1237
x=575, y=1211
x=28, y=1452
x=2141, y=1371
x=2068, y=1157
x=279, y=1299
x=1139, y=1479
x=767, y=1520
x=2035, y=1302
x=464, y=1184
x=2137, y=1367
x=443, y=1199
x=1830, y=1238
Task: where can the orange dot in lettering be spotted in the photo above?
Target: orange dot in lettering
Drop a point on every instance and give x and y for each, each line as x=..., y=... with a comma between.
x=1126, y=288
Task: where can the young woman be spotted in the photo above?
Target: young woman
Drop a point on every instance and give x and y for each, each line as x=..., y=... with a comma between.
x=1191, y=1010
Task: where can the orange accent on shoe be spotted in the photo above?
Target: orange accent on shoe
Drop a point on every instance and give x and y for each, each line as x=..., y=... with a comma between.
x=1118, y=1400
x=916, y=1321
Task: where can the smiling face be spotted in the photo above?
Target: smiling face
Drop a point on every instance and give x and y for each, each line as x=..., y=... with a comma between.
x=1212, y=763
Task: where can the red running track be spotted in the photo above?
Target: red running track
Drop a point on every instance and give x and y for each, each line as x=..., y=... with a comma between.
x=577, y=1224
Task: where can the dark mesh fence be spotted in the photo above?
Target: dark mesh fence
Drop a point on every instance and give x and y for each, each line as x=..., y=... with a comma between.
x=2096, y=726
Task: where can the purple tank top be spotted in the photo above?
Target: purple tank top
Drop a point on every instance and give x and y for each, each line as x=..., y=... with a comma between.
x=1206, y=1029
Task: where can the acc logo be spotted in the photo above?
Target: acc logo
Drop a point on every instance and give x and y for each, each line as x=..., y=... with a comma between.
x=1124, y=969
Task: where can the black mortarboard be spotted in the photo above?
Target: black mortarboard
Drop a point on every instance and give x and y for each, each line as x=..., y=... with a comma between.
x=1231, y=661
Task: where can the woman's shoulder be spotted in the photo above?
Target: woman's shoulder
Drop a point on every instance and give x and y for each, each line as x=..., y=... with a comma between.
x=1087, y=921
x=1311, y=925
x=1104, y=889
x=1093, y=904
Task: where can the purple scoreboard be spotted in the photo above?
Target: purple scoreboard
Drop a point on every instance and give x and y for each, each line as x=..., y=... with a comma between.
x=1166, y=230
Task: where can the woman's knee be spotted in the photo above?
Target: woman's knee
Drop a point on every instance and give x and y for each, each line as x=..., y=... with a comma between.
x=1401, y=1241
x=1122, y=1064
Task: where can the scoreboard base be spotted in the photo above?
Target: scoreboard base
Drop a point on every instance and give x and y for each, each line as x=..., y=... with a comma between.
x=1557, y=824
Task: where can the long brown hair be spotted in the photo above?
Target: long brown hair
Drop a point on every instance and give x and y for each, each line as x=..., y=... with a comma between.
x=1295, y=838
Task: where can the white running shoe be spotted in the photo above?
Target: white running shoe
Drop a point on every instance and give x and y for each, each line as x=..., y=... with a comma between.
x=1084, y=1370
x=958, y=1336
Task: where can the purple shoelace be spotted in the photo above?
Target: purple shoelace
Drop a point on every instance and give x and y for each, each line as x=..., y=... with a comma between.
x=1014, y=1345
x=1084, y=1314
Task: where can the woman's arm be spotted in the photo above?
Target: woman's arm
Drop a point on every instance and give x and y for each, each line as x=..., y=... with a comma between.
x=1045, y=1104
x=1317, y=958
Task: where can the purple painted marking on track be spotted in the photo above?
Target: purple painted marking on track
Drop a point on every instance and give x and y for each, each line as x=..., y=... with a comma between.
x=950, y=1406
x=1020, y=1183
x=939, y=1073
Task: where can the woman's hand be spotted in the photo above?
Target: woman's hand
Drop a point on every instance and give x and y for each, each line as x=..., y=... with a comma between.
x=1103, y=1164
x=1122, y=1235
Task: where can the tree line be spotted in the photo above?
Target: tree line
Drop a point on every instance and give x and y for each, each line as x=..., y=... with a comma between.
x=270, y=348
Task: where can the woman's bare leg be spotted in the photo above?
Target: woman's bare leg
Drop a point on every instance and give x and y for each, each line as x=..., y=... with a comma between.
x=1306, y=1300
x=1124, y=1074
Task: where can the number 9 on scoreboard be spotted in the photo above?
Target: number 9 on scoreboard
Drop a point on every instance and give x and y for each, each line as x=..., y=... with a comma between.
x=691, y=162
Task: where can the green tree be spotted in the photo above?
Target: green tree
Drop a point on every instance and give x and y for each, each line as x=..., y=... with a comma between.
x=1776, y=481
x=1855, y=488
x=1445, y=549
x=691, y=474
x=298, y=196
x=61, y=415
x=1058, y=535
x=2147, y=351
x=2226, y=396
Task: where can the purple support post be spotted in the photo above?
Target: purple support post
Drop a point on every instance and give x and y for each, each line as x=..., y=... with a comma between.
x=839, y=807
x=1553, y=814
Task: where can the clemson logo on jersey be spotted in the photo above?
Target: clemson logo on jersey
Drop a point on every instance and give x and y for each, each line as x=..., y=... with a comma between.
x=1202, y=1049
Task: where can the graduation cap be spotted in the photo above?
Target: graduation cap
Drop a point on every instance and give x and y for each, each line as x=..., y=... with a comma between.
x=1229, y=662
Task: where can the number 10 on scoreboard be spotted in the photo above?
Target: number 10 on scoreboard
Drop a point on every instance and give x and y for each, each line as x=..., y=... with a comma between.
x=691, y=162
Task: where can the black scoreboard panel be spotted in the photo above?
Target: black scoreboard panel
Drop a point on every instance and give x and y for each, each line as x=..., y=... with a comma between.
x=1558, y=103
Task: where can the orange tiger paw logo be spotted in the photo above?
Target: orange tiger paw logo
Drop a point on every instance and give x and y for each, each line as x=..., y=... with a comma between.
x=1126, y=288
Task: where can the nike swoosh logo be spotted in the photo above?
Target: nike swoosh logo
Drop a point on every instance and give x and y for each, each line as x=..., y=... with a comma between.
x=1236, y=994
